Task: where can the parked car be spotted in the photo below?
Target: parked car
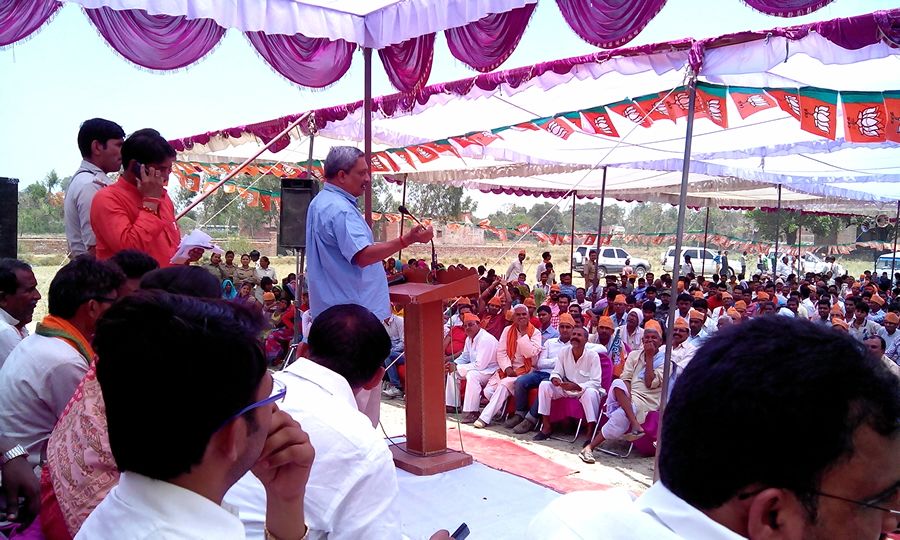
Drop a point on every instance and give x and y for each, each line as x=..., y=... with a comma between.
x=701, y=258
x=883, y=264
x=610, y=260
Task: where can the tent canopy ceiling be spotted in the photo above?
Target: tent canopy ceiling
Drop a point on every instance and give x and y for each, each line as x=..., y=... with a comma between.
x=762, y=150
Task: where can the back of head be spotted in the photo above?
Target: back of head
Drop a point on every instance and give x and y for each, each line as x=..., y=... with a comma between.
x=165, y=398
x=349, y=340
x=188, y=280
x=97, y=129
x=134, y=263
x=763, y=385
x=9, y=282
x=146, y=146
x=83, y=279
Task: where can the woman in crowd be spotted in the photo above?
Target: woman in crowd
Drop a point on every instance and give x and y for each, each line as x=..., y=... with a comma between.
x=245, y=273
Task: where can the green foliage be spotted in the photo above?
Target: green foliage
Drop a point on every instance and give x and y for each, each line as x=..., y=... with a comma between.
x=825, y=228
x=228, y=213
x=438, y=201
x=41, y=206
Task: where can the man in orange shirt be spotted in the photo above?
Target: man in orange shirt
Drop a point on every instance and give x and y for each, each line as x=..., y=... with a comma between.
x=136, y=212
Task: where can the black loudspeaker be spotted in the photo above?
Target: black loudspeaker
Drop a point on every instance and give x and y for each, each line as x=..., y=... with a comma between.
x=9, y=216
x=295, y=198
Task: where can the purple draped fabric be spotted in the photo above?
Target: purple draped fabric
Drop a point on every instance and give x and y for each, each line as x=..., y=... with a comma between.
x=19, y=18
x=488, y=42
x=857, y=32
x=408, y=64
x=608, y=23
x=313, y=62
x=161, y=42
x=787, y=8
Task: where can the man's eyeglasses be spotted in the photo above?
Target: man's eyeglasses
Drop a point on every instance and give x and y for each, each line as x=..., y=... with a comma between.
x=876, y=503
x=279, y=390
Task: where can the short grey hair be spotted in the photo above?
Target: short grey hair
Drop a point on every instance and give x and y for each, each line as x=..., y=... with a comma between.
x=341, y=158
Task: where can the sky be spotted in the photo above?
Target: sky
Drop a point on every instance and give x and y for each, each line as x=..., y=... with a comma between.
x=66, y=73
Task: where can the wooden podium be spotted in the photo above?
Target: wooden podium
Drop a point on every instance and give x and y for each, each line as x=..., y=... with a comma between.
x=425, y=451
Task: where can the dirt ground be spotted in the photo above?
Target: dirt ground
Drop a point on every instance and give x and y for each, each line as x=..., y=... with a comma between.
x=633, y=473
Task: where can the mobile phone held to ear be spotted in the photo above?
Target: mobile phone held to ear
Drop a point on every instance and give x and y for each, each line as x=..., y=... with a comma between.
x=136, y=169
x=460, y=533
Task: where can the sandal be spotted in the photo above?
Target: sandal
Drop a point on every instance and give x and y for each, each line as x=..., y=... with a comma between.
x=587, y=456
x=634, y=435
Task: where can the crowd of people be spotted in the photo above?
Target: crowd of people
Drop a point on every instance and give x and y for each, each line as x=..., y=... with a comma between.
x=146, y=401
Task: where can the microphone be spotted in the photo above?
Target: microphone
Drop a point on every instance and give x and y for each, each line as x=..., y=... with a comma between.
x=403, y=210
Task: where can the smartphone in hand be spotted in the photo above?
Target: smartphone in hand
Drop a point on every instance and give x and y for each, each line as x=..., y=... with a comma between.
x=461, y=533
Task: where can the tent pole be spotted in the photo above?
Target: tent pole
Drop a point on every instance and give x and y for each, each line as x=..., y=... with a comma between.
x=705, y=237
x=596, y=283
x=243, y=164
x=402, y=218
x=799, y=246
x=893, y=259
x=676, y=267
x=367, y=127
x=572, y=238
x=777, y=230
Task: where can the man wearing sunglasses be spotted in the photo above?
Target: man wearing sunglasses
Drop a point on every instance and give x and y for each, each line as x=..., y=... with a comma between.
x=183, y=432
x=41, y=373
x=777, y=429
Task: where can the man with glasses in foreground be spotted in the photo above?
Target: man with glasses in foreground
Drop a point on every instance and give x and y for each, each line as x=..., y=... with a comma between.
x=42, y=371
x=183, y=431
x=777, y=429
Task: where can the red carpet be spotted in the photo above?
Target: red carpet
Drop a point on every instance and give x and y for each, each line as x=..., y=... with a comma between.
x=512, y=458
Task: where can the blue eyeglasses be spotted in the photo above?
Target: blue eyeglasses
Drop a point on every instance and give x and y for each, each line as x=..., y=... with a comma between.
x=279, y=390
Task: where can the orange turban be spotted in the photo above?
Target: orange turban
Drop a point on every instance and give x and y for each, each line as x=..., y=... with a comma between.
x=762, y=296
x=529, y=302
x=565, y=318
x=470, y=317
x=653, y=325
x=740, y=304
x=681, y=323
x=605, y=322
x=463, y=301
x=495, y=301
x=620, y=299
x=892, y=318
x=733, y=313
x=839, y=323
x=694, y=314
x=878, y=300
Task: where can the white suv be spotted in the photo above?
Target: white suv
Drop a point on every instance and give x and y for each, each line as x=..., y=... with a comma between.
x=610, y=260
x=707, y=267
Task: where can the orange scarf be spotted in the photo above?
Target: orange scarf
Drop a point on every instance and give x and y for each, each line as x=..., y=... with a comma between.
x=53, y=326
x=512, y=342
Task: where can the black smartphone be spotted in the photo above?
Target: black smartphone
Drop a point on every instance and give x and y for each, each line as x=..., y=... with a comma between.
x=461, y=533
x=136, y=169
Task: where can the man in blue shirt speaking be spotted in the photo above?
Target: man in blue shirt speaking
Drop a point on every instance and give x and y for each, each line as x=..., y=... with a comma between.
x=344, y=263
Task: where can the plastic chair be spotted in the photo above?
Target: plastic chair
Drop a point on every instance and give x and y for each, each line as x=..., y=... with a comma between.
x=567, y=407
x=645, y=445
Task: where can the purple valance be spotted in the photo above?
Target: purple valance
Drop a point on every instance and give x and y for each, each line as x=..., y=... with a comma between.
x=787, y=8
x=488, y=42
x=408, y=64
x=20, y=18
x=161, y=42
x=608, y=23
x=312, y=62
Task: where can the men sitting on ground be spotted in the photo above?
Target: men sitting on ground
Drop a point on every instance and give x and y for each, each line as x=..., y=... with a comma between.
x=526, y=417
x=100, y=143
x=636, y=393
x=519, y=346
x=396, y=357
x=836, y=409
x=222, y=432
x=577, y=374
x=346, y=346
x=41, y=374
x=477, y=364
x=136, y=211
x=19, y=296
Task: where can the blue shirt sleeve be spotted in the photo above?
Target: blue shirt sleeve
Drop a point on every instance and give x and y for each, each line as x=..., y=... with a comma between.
x=351, y=234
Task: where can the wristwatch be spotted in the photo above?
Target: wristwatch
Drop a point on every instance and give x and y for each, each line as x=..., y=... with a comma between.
x=12, y=453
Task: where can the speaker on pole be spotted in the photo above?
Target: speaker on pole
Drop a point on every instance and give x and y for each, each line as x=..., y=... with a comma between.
x=9, y=216
x=296, y=195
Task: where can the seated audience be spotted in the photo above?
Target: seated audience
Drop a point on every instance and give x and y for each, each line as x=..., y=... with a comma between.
x=225, y=420
x=42, y=372
x=19, y=296
x=477, y=364
x=395, y=329
x=832, y=475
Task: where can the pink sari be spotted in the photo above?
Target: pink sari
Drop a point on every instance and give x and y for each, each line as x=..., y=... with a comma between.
x=80, y=468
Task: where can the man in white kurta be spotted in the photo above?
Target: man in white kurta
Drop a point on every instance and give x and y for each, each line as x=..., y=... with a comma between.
x=519, y=347
x=477, y=364
x=516, y=267
x=577, y=374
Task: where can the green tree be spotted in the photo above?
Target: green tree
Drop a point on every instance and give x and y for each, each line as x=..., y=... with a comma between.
x=587, y=216
x=546, y=217
x=230, y=213
x=438, y=201
x=41, y=206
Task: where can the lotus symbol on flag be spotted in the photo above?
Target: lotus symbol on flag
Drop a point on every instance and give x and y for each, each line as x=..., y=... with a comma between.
x=660, y=107
x=633, y=114
x=714, y=111
x=755, y=100
x=793, y=103
x=555, y=128
x=601, y=124
x=822, y=116
x=868, y=122
x=683, y=100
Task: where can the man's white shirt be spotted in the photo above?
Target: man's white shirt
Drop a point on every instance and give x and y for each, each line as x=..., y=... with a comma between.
x=140, y=508
x=10, y=336
x=480, y=353
x=88, y=180
x=353, y=483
